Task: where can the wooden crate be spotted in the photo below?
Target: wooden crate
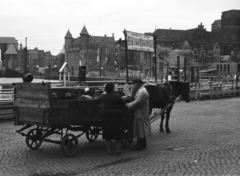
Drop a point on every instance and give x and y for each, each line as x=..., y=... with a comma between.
x=85, y=111
x=74, y=112
x=32, y=91
x=32, y=102
x=32, y=116
x=35, y=106
x=60, y=104
x=59, y=117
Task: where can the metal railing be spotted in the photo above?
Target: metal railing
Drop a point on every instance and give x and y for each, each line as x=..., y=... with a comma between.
x=198, y=90
x=214, y=89
x=7, y=95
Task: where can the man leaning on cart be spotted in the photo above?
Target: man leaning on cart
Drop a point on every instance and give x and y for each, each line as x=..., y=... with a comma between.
x=139, y=104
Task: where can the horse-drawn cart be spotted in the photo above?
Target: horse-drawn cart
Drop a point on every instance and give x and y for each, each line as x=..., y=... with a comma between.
x=70, y=118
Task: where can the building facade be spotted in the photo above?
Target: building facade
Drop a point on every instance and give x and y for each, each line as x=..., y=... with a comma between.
x=95, y=52
x=9, y=55
x=224, y=37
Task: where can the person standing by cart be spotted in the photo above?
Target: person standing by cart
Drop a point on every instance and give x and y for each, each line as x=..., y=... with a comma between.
x=140, y=104
x=112, y=105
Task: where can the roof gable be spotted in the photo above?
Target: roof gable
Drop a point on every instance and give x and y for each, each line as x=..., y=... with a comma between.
x=11, y=50
x=8, y=40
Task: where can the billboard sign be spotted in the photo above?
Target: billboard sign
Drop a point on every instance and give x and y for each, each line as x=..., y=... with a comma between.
x=139, y=42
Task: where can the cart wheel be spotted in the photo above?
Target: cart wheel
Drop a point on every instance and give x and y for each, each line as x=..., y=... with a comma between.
x=34, y=139
x=69, y=145
x=92, y=133
x=127, y=138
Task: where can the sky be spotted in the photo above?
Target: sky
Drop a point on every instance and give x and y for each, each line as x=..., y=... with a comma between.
x=46, y=22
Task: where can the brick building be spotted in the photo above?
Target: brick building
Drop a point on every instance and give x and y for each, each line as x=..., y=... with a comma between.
x=89, y=49
x=224, y=37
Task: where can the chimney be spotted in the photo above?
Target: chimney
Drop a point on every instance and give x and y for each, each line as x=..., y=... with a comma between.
x=26, y=42
x=113, y=34
x=105, y=35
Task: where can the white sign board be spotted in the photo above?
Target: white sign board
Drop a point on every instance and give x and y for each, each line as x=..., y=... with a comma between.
x=139, y=42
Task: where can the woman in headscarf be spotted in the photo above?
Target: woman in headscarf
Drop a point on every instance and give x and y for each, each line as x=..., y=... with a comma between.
x=112, y=105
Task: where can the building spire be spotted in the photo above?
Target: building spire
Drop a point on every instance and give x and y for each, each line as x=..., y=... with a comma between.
x=68, y=34
x=84, y=31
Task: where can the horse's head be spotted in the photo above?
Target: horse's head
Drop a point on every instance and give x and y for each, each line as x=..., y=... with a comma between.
x=180, y=88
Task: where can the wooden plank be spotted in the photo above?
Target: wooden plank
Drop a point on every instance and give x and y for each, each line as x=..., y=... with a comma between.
x=6, y=111
x=32, y=86
x=6, y=116
x=32, y=115
x=32, y=103
x=6, y=105
x=7, y=101
x=32, y=94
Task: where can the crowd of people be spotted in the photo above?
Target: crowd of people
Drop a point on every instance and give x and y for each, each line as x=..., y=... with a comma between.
x=113, y=106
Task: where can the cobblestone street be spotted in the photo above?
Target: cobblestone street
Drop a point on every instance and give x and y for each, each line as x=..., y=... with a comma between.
x=204, y=141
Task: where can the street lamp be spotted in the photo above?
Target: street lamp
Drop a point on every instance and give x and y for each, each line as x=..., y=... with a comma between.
x=100, y=59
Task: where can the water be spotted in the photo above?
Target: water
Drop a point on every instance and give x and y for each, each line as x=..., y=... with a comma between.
x=19, y=80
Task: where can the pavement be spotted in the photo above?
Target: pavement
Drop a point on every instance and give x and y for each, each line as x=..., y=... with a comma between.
x=204, y=142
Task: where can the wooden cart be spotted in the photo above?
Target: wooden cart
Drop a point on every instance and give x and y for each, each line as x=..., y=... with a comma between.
x=37, y=111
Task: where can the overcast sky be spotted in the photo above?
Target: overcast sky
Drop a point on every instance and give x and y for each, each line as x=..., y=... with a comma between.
x=45, y=22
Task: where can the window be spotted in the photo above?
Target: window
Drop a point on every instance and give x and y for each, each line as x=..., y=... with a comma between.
x=228, y=68
x=224, y=68
x=238, y=67
x=220, y=68
x=217, y=68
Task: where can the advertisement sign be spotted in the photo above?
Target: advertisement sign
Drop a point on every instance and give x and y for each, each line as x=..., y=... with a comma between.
x=194, y=74
x=139, y=42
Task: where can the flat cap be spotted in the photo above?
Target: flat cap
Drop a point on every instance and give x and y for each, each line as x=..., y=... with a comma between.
x=139, y=81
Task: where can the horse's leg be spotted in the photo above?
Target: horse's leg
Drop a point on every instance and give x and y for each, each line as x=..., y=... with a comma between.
x=161, y=123
x=167, y=119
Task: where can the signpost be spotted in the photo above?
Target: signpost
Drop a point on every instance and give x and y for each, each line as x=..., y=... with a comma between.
x=194, y=77
x=194, y=74
x=139, y=42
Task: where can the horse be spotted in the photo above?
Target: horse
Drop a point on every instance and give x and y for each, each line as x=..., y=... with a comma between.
x=160, y=95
